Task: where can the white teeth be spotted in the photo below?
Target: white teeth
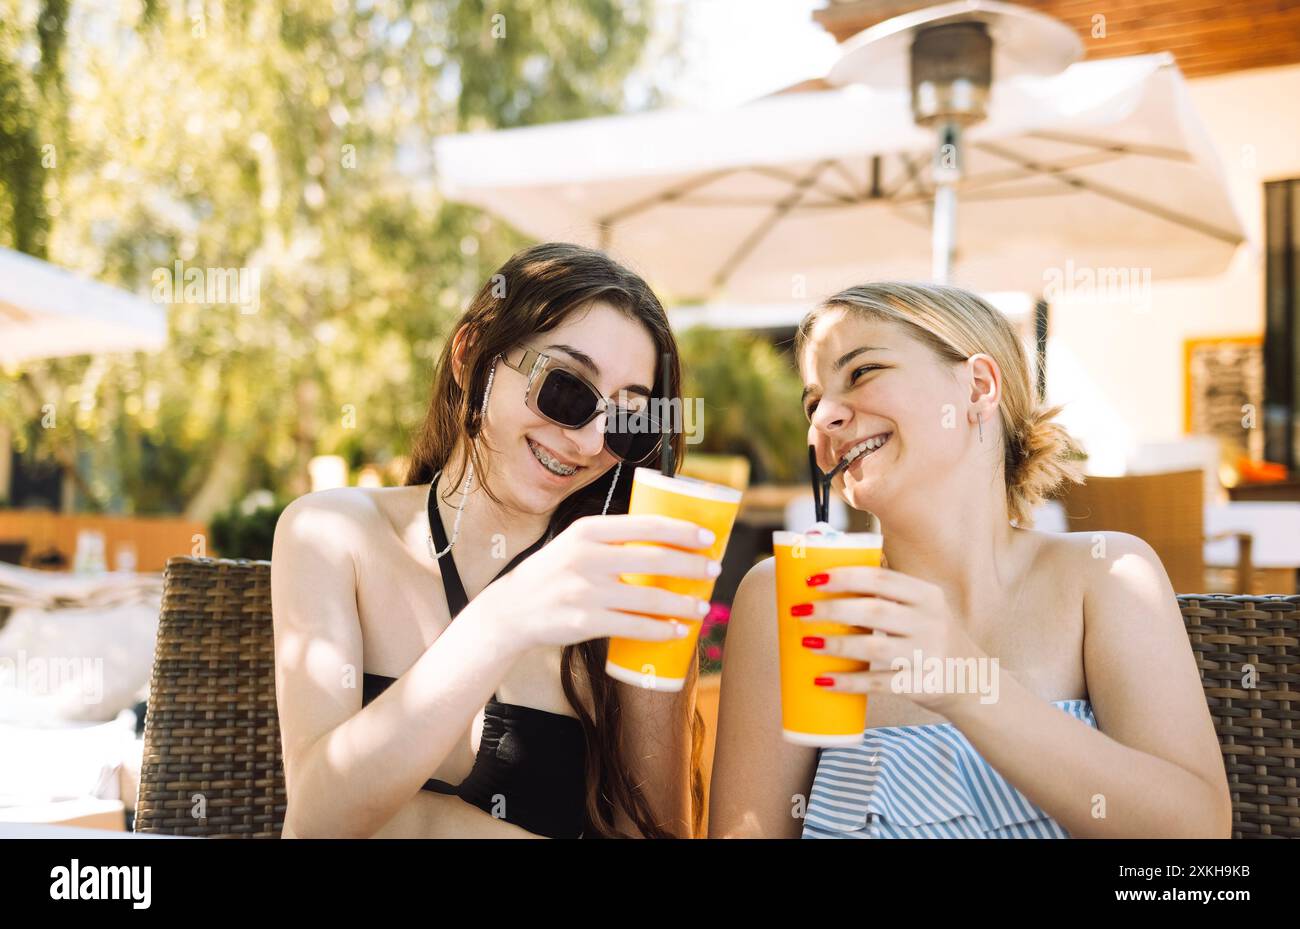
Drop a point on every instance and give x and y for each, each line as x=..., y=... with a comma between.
x=549, y=463
x=865, y=446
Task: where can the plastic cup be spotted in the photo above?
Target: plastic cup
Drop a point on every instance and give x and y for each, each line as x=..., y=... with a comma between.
x=812, y=715
x=664, y=665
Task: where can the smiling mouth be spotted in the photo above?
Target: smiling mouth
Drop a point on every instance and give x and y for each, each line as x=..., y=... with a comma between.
x=862, y=449
x=550, y=462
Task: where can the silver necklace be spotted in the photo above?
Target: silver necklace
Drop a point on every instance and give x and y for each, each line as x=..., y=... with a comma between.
x=469, y=477
x=460, y=510
x=464, y=492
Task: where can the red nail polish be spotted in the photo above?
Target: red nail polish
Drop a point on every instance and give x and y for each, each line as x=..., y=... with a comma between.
x=818, y=579
x=801, y=609
x=813, y=641
x=824, y=681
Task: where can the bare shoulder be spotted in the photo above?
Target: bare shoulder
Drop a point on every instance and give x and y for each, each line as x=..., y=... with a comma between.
x=336, y=521
x=1100, y=542
x=1117, y=560
x=1056, y=547
x=1124, y=582
x=752, y=630
x=1099, y=559
x=347, y=519
x=757, y=590
x=1056, y=562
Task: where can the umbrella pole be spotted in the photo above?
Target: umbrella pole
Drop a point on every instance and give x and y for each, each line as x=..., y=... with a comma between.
x=1041, y=311
x=947, y=171
x=945, y=224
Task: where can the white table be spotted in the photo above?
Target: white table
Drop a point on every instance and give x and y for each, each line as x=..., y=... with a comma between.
x=46, y=831
x=1274, y=529
x=1049, y=516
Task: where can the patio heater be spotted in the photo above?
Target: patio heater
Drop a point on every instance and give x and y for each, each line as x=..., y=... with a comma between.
x=949, y=56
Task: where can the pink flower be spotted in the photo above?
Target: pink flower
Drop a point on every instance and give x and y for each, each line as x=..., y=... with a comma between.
x=713, y=652
x=718, y=614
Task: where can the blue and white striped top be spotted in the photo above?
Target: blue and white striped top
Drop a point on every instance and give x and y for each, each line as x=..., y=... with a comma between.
x=917, y=782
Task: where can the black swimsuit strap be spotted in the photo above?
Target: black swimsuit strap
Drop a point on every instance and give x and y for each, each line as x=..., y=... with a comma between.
x=457, y=599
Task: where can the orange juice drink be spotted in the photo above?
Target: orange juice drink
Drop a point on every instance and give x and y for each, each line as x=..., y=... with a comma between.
x=664, y=665
x=812, y=715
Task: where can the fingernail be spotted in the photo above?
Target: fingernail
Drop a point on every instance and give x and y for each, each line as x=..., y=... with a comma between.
x=681, y=630
x=824, y=681
x=715, y=568
x=818, y=579
x=801, y=609
x=702, y=607
x=707, y=537
x=813, y=641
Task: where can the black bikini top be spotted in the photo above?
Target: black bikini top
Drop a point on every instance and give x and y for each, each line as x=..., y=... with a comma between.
x=531, y=767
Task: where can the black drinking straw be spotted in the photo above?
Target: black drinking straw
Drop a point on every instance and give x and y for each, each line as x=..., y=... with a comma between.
x=666, y=463
x=821, y=488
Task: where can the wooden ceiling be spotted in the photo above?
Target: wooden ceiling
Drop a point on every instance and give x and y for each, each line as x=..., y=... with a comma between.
x=1206, y=36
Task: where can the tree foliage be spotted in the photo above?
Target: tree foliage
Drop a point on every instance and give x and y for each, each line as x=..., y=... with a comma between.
x=293, y=139
x=751, y=401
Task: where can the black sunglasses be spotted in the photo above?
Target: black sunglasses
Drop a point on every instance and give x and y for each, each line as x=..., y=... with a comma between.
x=569, y=400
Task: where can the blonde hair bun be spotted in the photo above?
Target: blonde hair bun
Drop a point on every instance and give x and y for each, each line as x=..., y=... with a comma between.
x=1042, y=458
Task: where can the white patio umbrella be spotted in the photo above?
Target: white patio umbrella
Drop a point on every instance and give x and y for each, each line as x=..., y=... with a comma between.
x=49, y=312
x=1104, y=165
x=954, y=57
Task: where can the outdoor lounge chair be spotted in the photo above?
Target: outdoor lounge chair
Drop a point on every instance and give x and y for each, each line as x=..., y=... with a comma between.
x=212, y=737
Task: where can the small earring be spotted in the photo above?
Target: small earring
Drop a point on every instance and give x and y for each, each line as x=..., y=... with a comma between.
x=487, y=392
x=979, y=419
x=610, y=496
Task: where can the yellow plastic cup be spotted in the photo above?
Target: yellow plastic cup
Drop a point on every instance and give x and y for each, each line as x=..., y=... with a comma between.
x=812, y=715
x=664, y=665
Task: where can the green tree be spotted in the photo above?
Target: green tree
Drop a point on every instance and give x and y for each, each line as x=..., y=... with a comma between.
x=290, y=141
x=751, y=401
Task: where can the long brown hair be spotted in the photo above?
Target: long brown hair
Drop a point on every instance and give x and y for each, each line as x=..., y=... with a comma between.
x=533, y=292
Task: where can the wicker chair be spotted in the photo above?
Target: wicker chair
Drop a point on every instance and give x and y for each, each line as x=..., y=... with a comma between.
x=212, y=734
x=212, y=731
x=1258, y=727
